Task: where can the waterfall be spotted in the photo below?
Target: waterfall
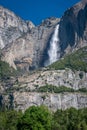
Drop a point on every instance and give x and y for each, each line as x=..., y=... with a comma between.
x=1, y=43
x=54, y=48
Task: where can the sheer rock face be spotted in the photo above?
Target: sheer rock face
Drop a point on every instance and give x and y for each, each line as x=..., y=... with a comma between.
x=73, y=28
x=52, y=101
x=23, y=100
x=11, y=27
x=28, y=41
x=31, y=45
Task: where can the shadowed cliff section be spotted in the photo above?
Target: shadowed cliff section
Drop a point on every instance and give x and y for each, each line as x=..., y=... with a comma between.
x=82, y=21
x=45, y=56
x=73, y=27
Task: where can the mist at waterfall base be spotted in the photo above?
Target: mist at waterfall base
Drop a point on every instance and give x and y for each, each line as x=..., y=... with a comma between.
x=54, y=49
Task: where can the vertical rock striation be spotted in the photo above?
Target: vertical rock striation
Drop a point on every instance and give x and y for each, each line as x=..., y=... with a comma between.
x=73, y=28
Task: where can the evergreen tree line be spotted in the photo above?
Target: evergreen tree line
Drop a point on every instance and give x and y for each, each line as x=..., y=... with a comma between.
x=40, y=118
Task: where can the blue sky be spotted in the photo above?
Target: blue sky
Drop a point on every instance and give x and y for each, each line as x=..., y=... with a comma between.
x=37, y=10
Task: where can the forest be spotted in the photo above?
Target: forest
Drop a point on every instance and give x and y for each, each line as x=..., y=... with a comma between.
x=40, y=118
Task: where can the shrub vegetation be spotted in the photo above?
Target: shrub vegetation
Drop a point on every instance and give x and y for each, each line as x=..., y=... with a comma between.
x=75, y=61
x=40, y=118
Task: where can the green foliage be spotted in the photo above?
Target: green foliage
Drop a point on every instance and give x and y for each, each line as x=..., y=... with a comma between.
x=74, y=61
x=9, y=119
x=35, y=118
x=3, y=120
x=70, y=119
x=82, y=90
x=5, y=70
x=40, y=118
x=55, y=89
x=61, y=89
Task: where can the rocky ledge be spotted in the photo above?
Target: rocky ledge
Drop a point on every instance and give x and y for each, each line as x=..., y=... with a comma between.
x=25, y=91
x=23, y=100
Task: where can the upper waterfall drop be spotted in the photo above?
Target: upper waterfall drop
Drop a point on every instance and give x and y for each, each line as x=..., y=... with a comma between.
x=54, y=48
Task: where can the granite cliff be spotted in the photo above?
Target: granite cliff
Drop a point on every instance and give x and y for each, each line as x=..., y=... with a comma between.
x=11, y=27
x=57, y=89
x=73, y=26
x=25, y=47
x=28, y=49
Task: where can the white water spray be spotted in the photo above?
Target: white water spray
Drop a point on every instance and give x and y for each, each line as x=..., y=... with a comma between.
x=54, y=48
x=1, y=43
